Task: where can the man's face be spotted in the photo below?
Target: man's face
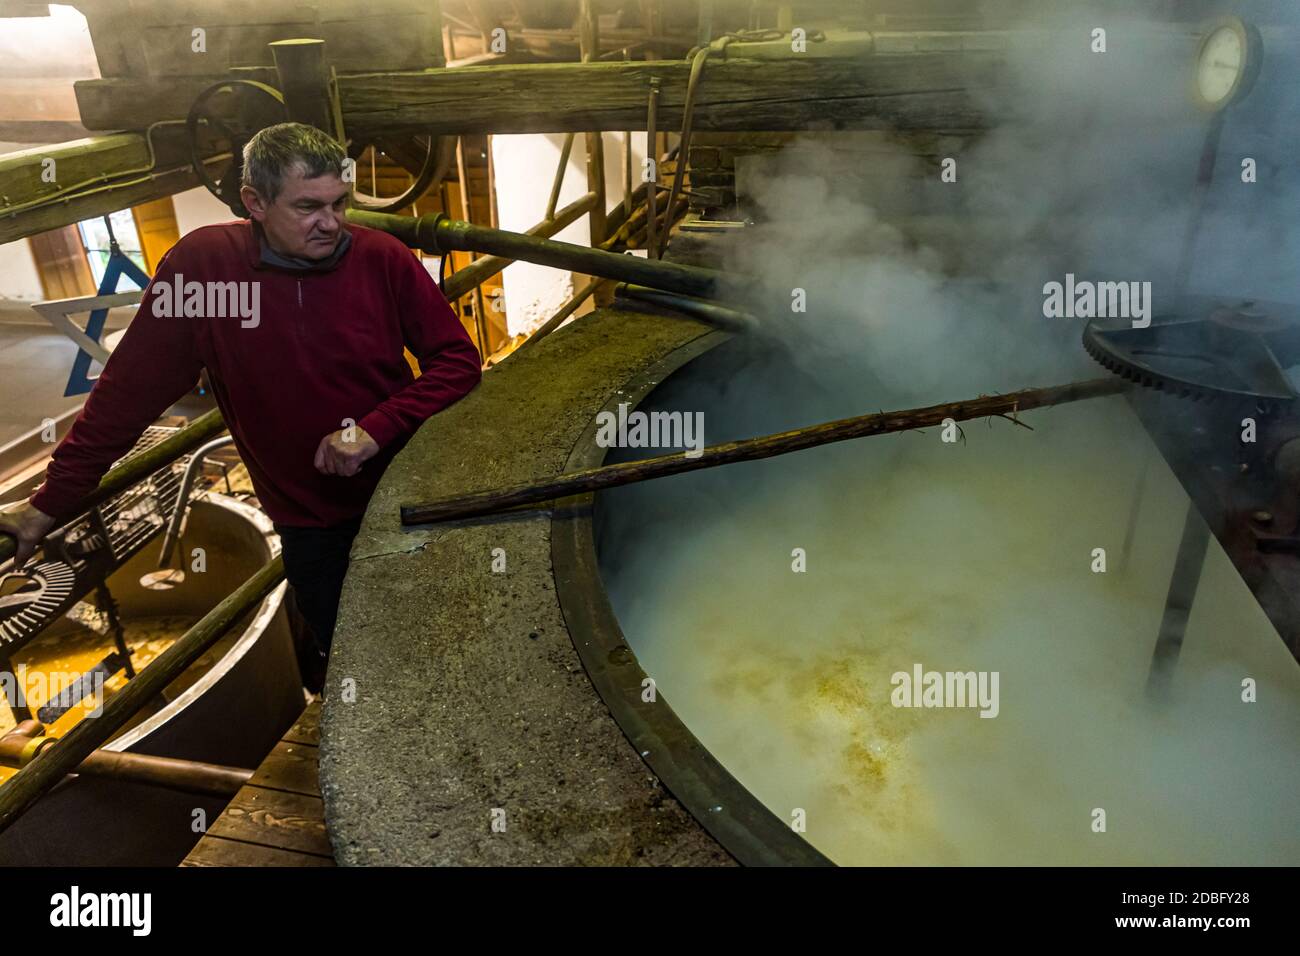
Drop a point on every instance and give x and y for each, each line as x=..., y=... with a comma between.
x=307, y=218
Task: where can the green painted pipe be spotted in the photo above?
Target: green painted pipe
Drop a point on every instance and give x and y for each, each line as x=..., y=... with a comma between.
x=438, y=234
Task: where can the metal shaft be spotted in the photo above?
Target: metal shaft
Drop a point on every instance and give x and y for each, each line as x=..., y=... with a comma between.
x=1178, y=605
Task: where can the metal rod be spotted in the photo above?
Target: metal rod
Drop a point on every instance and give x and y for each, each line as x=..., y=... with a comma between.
x=627, y=164
x=106, y=603
x=589, y=49
x=61, y=758
x=182, y=497
x=1178, y=604
x=1200, y=192
x=496, y=500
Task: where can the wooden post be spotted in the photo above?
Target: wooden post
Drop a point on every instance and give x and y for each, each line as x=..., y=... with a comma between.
x=476, y=301
x=439, y=47
x=304, y=82
x=590, y=42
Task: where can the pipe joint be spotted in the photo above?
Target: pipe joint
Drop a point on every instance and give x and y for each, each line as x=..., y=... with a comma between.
x=32, y=749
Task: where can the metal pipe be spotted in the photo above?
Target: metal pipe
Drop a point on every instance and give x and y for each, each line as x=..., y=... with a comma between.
x=38, y=777
x=19, y=747
x=627, y=165
x=438, y=234
x=732, y=320
x=1183, y=584
x=182, y=498
x=488, y=266
x=589, y=49
x=407, y=228
x=136, y=468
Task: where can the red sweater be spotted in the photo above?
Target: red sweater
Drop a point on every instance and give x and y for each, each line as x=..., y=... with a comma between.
x=327, y=347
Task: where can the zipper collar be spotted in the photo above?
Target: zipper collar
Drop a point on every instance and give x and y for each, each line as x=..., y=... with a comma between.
x=253, y=250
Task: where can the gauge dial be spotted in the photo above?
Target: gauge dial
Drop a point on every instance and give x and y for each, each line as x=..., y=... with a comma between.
x=1226, y=63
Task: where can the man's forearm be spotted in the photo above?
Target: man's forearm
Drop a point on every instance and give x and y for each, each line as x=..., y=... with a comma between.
x=446, y=378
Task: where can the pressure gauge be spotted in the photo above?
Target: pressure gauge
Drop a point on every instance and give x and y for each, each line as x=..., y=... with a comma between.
x=1227, y=63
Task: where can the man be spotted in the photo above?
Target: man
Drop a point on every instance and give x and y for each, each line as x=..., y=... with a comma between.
x=305, y=358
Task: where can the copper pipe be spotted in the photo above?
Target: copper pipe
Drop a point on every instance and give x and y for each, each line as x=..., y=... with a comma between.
x=190, y=776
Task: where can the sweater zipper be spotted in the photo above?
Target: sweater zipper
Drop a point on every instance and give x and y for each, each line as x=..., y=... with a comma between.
x=300, y=293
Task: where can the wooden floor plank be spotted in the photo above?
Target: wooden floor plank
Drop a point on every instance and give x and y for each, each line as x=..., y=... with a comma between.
x=307, y=728
x=286, y=821
x=291, y=767
x=278, y=818
x=218, y=851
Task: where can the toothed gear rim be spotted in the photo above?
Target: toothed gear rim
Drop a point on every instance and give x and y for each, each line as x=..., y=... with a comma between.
x=1207, y=349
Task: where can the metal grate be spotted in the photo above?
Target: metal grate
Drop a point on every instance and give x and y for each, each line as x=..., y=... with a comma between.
x=140, y=512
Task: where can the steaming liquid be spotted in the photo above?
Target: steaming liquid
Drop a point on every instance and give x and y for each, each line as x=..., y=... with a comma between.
x=973, y=556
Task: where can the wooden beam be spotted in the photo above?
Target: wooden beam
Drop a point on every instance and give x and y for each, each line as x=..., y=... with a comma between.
x=108, y=172
x=910, y=91
x=896, y=90
x=118, y=103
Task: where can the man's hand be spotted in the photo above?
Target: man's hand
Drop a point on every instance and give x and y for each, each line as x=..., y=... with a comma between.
x=29, y=526
x=335, y=456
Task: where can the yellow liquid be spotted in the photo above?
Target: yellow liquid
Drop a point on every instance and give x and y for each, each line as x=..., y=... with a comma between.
x=52, y=662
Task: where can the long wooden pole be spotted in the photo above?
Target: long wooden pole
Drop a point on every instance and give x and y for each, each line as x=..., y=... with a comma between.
x=491, y=501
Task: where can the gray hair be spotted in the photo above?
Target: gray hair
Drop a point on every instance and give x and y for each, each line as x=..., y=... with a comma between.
x=273, y=151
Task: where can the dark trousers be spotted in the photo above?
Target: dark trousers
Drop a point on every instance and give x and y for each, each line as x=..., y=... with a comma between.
x=315, y=562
